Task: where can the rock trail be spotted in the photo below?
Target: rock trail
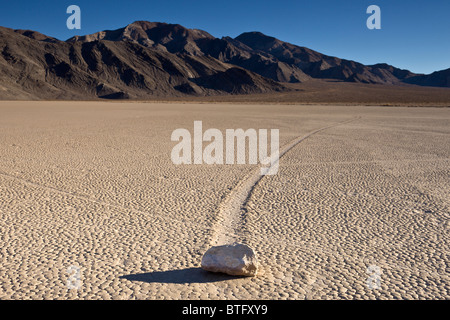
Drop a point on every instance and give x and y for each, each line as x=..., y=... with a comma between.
x=228, y=227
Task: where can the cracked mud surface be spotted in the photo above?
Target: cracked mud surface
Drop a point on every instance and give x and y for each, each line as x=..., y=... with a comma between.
x=92, y=185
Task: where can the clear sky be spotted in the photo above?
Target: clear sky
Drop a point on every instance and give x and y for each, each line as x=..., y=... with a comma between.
x=415, y=34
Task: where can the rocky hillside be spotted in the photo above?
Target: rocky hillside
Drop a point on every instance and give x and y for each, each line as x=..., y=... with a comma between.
x=151, y=59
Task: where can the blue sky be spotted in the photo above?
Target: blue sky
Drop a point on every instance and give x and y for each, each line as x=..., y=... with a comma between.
x=415, y=34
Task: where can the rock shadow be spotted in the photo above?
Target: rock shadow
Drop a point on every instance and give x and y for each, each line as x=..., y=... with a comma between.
x=180, y=276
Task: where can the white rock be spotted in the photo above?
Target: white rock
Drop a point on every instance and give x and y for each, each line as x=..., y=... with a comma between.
x=233, y=259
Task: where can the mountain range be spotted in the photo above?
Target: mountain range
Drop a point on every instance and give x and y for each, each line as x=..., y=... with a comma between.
x=151, y=59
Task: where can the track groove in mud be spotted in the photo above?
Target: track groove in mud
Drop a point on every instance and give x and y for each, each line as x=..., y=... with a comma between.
x=87, y=198
x=233, y=207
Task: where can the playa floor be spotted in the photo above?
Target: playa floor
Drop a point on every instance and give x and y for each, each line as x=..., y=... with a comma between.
x=92, y=207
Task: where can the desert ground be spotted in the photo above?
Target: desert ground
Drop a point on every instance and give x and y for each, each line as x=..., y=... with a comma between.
x=363, y=193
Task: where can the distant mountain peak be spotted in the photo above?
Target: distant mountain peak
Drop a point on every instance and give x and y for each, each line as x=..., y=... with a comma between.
x=35, y=35
x=161, y=35
x=257, y=40
x=146, y=59
x=256, y=35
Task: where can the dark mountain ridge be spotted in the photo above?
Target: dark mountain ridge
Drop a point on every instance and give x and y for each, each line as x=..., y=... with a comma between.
x=148, y=59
